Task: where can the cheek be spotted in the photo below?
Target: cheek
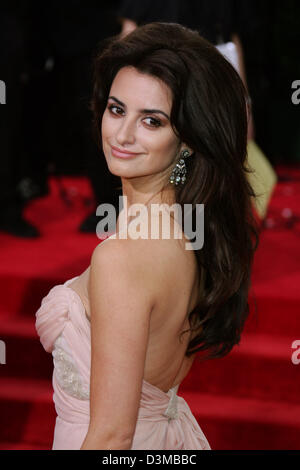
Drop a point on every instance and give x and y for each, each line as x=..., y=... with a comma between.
x=164, y=146
x=105, y=126
x=109, y=126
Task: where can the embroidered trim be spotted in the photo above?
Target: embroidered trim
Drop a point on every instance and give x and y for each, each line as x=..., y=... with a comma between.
x=67, y=373
x=71, y=382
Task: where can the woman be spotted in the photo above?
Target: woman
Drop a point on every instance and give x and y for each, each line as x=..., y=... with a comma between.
x=124, y=334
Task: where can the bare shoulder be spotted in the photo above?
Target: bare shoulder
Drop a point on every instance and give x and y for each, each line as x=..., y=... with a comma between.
x=117, y=250
x=127, y=267
x=137, y=256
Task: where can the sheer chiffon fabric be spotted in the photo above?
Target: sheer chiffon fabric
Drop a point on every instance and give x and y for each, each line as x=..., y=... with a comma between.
x=165, y=420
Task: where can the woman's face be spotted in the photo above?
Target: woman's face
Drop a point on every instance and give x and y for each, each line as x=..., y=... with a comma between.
x=137, y=136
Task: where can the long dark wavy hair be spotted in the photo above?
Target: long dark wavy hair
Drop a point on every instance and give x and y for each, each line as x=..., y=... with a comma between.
x=209, y=114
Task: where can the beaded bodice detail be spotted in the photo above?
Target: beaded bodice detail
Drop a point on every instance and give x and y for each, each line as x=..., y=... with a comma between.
x=71, y=382
x=66, y=371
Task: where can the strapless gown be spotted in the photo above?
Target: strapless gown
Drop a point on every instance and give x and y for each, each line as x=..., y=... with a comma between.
x=165, y=420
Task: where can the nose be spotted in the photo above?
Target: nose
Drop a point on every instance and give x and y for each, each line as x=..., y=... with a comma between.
x=126, y=131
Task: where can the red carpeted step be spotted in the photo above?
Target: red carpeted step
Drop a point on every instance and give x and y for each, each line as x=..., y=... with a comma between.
x=30, y=267
x=231, y=423
x=18, y=326
x=267, y=318
x=254, y=369
x=22, y=446
x=27, y=411
x=25, y=356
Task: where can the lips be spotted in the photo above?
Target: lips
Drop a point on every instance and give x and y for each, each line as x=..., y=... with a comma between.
x=122, y=153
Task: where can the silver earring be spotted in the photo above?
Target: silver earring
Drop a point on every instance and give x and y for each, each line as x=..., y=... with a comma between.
x=178, y=174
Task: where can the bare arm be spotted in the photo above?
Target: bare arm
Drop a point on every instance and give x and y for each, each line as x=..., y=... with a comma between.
x=121, y=305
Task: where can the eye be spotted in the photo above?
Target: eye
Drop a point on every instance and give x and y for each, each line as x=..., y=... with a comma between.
x=152, y=122
x=114, y=109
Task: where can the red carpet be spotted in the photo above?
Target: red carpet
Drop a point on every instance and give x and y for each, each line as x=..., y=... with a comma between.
x=247, y=400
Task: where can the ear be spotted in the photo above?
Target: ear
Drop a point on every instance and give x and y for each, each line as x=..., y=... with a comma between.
x=186, y=147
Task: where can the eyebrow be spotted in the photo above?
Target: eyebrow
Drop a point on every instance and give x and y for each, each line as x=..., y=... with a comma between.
x=143, y=111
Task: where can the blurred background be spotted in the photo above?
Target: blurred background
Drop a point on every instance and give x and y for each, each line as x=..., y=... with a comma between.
x=53, y=176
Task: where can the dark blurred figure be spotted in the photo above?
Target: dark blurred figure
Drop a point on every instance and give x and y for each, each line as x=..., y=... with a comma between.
x=75, y=30
x=216, y=20
x=12, y=67
x=274, y=64
x=36, y=104
x=46, y=64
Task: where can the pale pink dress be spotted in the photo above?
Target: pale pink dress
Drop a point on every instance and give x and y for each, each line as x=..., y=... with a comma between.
x=165, y=420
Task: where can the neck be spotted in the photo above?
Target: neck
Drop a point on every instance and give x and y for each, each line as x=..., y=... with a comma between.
x=132, y=195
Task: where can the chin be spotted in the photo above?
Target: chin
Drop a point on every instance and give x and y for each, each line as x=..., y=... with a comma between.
x=117, y=170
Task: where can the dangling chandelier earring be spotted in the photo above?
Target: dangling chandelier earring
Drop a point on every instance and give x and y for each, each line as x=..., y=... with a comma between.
x=178, y=174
